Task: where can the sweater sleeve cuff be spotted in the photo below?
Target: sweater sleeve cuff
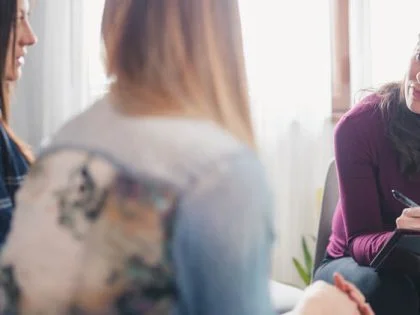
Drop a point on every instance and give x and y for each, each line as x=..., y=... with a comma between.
x=364, y=248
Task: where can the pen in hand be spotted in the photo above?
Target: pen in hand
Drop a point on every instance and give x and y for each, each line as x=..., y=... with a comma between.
x=404, y=199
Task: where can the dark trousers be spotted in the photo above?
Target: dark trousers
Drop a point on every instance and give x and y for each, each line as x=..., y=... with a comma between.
x=387, y=293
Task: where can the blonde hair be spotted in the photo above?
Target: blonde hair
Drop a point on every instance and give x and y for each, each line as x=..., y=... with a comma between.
x=179, y=56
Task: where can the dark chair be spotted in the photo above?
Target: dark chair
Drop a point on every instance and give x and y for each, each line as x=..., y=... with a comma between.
x=329, y=203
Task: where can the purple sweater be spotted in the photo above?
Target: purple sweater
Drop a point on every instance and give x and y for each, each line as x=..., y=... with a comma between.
x=368, y=170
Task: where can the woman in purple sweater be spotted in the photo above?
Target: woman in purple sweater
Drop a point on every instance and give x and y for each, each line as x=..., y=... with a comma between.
x=377, y=149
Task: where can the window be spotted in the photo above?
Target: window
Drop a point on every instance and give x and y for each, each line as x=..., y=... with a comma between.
x=395, y=26
x=97, y=80
x=383, y=35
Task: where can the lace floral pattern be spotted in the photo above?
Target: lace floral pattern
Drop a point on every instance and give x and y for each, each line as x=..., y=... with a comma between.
x=119, y=227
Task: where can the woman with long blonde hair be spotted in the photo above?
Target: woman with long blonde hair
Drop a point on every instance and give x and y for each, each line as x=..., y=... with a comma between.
x=153, y=201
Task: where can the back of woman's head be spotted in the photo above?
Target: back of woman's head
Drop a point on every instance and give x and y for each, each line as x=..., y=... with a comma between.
x=180, y=56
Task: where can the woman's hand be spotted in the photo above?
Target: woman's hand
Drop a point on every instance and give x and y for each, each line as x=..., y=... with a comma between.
x=322, y=298
x=409, y=219
x=353, y=293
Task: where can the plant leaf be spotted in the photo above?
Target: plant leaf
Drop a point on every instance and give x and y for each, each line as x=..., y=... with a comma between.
x=302, y=273
x=309, y=263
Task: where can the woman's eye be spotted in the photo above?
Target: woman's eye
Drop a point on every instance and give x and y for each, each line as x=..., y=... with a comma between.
x=417, y=56
x=20, y=18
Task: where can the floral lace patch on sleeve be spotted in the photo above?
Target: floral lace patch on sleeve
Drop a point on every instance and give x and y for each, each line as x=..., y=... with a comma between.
x=125, y=229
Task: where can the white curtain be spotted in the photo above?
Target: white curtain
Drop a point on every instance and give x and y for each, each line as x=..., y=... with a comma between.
x=287, y=46
x=383, y=36
x=57, y=82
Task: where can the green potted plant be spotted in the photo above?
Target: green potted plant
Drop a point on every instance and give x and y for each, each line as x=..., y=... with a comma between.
x=305, y=269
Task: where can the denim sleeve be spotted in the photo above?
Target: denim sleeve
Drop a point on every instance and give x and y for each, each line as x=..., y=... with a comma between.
x=222, y=241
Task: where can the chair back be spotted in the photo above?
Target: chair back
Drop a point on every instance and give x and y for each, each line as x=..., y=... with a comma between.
x=329, y=203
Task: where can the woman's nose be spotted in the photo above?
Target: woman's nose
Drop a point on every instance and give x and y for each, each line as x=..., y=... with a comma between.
x=29, y=37
x=418, y=77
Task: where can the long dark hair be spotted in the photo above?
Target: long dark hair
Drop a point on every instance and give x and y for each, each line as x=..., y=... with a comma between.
x=403, y=127
x=8, y=11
